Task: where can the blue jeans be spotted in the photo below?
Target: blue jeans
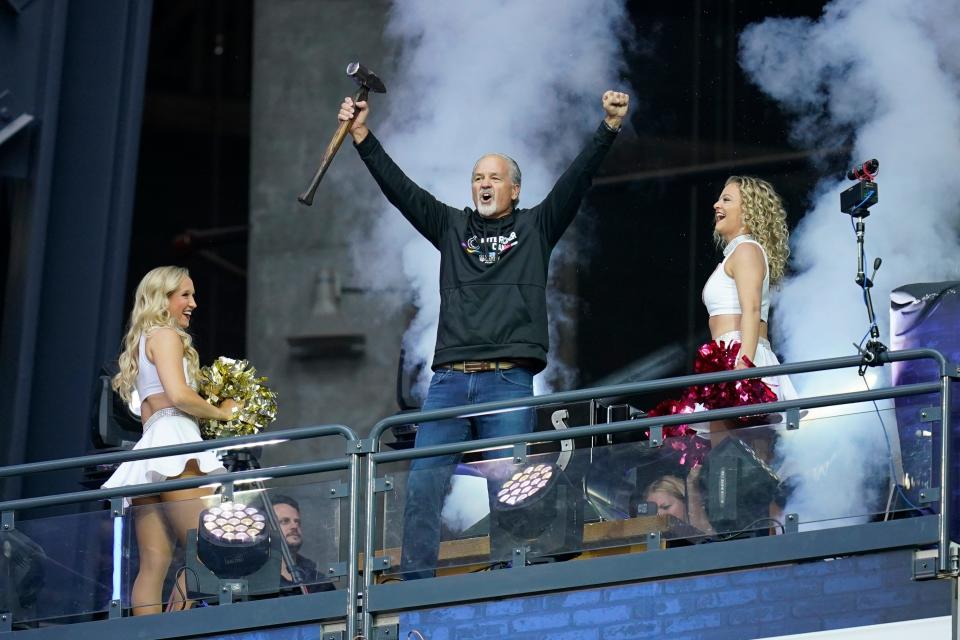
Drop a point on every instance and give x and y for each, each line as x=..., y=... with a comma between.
x=429, y=477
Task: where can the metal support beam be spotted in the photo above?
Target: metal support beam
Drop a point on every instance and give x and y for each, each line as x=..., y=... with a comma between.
x=15, y=126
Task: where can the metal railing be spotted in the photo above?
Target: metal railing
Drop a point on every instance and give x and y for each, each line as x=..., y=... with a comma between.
x=377, y=457
x=362, y=524
x=349, y=462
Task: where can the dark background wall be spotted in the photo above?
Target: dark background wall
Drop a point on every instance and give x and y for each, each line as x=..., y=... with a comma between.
x=193, y=176
x=67, y=193
x=698, y=120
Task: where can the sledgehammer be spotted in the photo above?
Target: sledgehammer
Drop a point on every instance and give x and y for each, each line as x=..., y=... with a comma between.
x=368, y=82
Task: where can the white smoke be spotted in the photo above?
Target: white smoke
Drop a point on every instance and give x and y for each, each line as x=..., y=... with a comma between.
x=520, y=78
x=466, y=504
x=881, y=76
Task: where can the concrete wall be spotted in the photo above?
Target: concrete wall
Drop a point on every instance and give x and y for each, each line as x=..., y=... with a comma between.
x=301, y=49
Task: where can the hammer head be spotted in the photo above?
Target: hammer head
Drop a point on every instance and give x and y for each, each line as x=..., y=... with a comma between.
x=365, y=78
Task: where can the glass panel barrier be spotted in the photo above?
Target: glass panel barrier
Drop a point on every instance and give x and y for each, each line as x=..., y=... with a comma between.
x=154, y=571
x=57, y=567
x=318, y=540
x=237, y=547
x=847, y=467
x=834, y=470
x=608, y=495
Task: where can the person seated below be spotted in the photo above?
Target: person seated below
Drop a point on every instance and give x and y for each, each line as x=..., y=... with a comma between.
x=288, y=517
x=681, y=499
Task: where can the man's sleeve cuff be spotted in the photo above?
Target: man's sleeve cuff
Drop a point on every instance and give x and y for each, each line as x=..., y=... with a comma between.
x=368, y=145
x=609, y=128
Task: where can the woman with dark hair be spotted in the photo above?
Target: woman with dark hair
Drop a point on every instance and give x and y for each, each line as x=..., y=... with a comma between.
x=159, y=362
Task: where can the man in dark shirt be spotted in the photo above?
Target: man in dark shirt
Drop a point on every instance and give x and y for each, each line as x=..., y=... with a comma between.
x=288, y=517
x=492, y=336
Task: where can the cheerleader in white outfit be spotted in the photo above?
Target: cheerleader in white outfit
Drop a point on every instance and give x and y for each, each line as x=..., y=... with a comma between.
x=750, y=223
x=159, y=361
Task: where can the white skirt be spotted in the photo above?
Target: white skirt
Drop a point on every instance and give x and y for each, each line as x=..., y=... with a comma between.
x=165, y=427
x=765, y=357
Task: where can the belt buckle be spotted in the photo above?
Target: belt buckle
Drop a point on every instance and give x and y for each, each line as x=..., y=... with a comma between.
x=473, y=366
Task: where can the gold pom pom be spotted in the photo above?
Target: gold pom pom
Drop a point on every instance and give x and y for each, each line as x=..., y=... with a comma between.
x=229, y=379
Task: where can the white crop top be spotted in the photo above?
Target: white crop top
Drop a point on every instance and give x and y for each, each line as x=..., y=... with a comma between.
x=148, y=380
x=720, y=292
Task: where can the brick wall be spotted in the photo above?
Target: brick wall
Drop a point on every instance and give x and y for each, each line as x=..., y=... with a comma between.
x=759, y=603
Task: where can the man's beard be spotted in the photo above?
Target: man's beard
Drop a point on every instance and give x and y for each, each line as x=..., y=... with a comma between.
x=487, y=209
x=294, y=547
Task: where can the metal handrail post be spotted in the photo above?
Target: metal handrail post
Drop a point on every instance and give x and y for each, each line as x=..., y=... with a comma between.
x=354, y=547
x=368, y=542
x=945, y=564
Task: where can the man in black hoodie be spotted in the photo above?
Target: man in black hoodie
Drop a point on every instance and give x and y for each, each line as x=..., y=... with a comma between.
x=492, y=332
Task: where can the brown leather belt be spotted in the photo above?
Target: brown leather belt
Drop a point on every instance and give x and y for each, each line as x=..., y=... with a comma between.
x=477, y=366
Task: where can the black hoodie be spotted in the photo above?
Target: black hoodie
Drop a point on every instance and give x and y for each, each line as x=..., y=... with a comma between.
x=493, y=273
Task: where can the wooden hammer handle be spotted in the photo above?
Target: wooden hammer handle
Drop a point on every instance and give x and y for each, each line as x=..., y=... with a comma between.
x=307, y=196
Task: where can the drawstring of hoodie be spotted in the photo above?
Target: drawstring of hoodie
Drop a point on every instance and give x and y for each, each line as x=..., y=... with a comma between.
x=494, y=243
x=483, y=239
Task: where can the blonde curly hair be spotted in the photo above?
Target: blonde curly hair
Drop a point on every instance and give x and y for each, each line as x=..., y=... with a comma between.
x=151, y=311
x=765, y=219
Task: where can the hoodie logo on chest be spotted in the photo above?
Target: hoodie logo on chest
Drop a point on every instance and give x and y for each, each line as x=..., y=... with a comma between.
x=489, y=250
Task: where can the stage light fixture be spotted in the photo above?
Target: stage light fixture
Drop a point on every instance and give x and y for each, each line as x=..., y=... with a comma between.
x=232, y=540
x=740, y=487
x=539, y=509
x=526, y=485
x=114, y=423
